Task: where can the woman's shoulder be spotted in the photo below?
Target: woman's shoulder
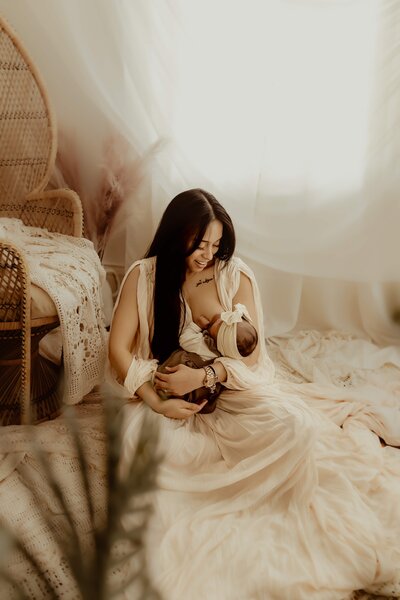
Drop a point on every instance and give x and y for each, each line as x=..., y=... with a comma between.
x=143, y=265
x=234, y=265
x=229, y=275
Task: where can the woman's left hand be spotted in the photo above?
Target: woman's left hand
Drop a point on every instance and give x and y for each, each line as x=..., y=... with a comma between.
x=180, y=380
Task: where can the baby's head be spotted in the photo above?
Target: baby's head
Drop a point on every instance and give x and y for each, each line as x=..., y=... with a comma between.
x=233, y=332
x=246, y=337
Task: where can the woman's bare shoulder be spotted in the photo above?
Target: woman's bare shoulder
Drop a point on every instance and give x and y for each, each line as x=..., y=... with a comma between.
x=146, y=265
x=129, y=285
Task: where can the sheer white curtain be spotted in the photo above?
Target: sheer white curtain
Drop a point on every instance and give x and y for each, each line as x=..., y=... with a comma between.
x=287, y=110
x=282, y=106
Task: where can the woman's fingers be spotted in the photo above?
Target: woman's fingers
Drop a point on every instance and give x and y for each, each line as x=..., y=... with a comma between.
x=180, y=409
x=186, y=405
x=191, y=408
x=169, y=384
x=181, y=413
x=161, y=382
x=187, y=413
x=197, y=407
x=200, y=406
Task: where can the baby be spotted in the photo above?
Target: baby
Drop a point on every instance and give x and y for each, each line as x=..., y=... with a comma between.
x=229, y=333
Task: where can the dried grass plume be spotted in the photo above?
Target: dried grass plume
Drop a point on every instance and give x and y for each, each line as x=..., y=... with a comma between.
x=120, y=176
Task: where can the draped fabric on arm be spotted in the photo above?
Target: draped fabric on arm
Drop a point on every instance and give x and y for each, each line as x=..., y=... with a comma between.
x=239, y=375
x=139, y=372
x=142, y=367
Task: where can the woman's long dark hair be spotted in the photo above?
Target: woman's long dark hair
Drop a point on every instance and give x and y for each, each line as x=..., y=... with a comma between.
x=179, y=233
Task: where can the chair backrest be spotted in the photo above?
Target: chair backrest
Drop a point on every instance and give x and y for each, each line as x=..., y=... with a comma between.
x=27, y=127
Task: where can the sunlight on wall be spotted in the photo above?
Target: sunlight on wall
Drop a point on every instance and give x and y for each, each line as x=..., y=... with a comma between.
x=276, y=90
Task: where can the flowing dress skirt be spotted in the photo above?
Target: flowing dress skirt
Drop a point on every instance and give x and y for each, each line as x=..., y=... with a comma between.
x=268, y=499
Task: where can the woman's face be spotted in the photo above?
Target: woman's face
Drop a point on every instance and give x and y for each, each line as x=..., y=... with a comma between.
x=204, y=254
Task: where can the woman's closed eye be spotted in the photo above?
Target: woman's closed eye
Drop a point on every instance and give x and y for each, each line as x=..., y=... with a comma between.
x=202, y=247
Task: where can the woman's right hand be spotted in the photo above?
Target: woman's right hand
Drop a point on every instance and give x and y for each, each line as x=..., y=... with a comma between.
x=179, y=409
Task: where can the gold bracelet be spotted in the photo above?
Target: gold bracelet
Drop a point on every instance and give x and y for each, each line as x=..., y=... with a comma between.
x=210, y=379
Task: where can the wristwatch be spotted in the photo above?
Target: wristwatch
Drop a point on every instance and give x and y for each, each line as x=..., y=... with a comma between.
x=210, y=378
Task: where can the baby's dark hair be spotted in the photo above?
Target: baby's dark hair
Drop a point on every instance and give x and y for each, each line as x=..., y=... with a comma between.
x=246, y=337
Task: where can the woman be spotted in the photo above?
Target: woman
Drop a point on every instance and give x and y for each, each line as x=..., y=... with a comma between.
x=263, y=498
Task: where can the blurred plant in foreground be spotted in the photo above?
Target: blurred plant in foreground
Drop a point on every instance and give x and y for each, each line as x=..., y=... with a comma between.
x=114, y=561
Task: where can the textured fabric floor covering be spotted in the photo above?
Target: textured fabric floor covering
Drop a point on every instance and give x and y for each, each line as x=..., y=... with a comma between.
x=20, y=471
x=372, y=384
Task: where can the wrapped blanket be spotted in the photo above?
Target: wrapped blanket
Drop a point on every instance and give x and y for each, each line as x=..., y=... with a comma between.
x=69, y=270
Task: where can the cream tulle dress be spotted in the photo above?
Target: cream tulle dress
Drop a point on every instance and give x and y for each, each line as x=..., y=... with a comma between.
x=266, y=498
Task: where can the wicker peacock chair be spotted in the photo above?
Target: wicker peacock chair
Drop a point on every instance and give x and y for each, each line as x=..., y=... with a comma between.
x=28, y=381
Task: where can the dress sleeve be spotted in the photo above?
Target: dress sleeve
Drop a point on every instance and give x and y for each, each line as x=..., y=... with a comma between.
x=140, y=371
x=239, y=375
x=242, y=377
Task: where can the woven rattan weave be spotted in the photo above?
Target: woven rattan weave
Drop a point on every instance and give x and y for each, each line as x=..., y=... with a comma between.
x=28, y=382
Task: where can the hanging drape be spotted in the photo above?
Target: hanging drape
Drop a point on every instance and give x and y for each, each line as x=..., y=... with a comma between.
x=287, y=110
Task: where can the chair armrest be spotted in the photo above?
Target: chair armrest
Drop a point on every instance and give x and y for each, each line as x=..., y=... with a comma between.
x=56, y=210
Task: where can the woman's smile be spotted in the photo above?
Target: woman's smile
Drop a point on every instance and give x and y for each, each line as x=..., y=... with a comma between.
x=202, y=264
x=208, y=247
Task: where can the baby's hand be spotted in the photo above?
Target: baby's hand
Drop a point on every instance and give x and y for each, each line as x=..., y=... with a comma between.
x=203, y=322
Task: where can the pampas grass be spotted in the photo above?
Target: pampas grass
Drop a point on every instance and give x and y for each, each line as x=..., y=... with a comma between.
x=119, y=180
x=118, y=540
x=121, y=173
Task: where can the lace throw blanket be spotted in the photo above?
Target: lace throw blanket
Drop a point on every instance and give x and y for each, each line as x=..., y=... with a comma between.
x=69, y=270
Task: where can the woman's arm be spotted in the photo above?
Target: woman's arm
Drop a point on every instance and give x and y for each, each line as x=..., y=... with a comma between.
x=130, y=370
x=180, y=380
x=240, y=374
x=124, y=326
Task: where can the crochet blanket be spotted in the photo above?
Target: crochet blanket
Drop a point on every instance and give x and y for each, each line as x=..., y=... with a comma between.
x=69, y=270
